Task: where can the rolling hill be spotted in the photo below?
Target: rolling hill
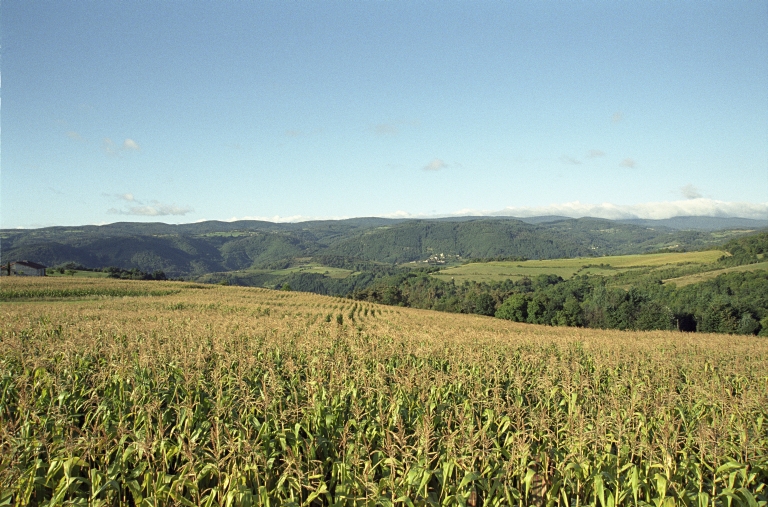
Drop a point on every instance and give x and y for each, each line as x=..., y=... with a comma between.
x=193, y=250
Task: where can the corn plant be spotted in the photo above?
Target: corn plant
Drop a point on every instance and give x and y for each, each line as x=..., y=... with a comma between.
x=205, y=397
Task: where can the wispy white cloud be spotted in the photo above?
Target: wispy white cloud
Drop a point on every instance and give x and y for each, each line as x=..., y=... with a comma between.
x=131, y=145
x=690, y=192
x=136, y=207
x=567, y=159
x=385, y=129
x=649, y=210
x=595, y=154
x=154, y=209
x=628, y=162
x=128, y=197
x=75, y=136
x=465, y=212
x=403, y=214
x=435, y=165
x=617, y=117
x=302, y=133
x=112, y=149
x=282, y=219
x=394, y=128
x=575, y=209
x=108, y=145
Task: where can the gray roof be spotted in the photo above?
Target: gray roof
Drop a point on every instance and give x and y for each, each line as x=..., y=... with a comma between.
x=29, y=264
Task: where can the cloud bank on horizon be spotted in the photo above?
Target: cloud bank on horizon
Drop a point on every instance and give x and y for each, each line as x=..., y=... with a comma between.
x=154, y=209
x=697, y=206
x=151, y=209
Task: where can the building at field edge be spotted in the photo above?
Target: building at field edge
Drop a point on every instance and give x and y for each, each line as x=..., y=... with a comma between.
x=23, y=268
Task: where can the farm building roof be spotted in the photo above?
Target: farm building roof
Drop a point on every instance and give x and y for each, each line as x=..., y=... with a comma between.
x=30, y=264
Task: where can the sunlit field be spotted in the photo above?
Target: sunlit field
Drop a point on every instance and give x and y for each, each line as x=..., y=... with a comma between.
x=168, y=393
x=566, y=268
x=709, y=275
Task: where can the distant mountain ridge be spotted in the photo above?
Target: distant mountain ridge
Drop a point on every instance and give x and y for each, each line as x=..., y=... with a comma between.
x=192, y=250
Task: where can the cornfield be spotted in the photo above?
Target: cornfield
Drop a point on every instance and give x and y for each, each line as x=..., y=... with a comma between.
x=165, y=393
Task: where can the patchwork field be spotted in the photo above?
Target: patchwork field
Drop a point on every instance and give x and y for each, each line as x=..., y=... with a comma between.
x=708, y=275
x=567, y=268
x=256, y=277
x=315, y=268
x=169, y=393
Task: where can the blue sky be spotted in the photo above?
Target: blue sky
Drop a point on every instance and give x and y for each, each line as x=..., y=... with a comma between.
x=185, y=111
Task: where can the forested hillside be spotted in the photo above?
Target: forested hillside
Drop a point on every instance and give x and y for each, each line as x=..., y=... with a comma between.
x=417, y=240
x=729, y=302
x=193, y=250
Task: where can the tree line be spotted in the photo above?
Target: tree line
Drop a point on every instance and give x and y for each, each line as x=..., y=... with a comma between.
x=735, y=302
x=730, y=303
x=112, y=272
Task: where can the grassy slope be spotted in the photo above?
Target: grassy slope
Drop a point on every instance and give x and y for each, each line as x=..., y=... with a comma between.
x=708, y=275
x=256, y=277
x=330, y=272
x=566, y=268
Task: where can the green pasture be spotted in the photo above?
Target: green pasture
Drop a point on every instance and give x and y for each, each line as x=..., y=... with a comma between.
x=730, y=233
x=658, y=260
x=708, y=275
x=339, y=273
x=567, y=268
x=266, y=277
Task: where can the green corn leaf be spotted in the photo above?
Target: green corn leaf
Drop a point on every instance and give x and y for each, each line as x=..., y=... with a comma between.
x=661, y=484
x=527, y=480
x=599, y=489
x=109, y=485
x=746, y=497
x=727, y=467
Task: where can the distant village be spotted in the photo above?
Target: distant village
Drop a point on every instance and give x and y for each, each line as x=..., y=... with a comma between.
x=437, y=259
